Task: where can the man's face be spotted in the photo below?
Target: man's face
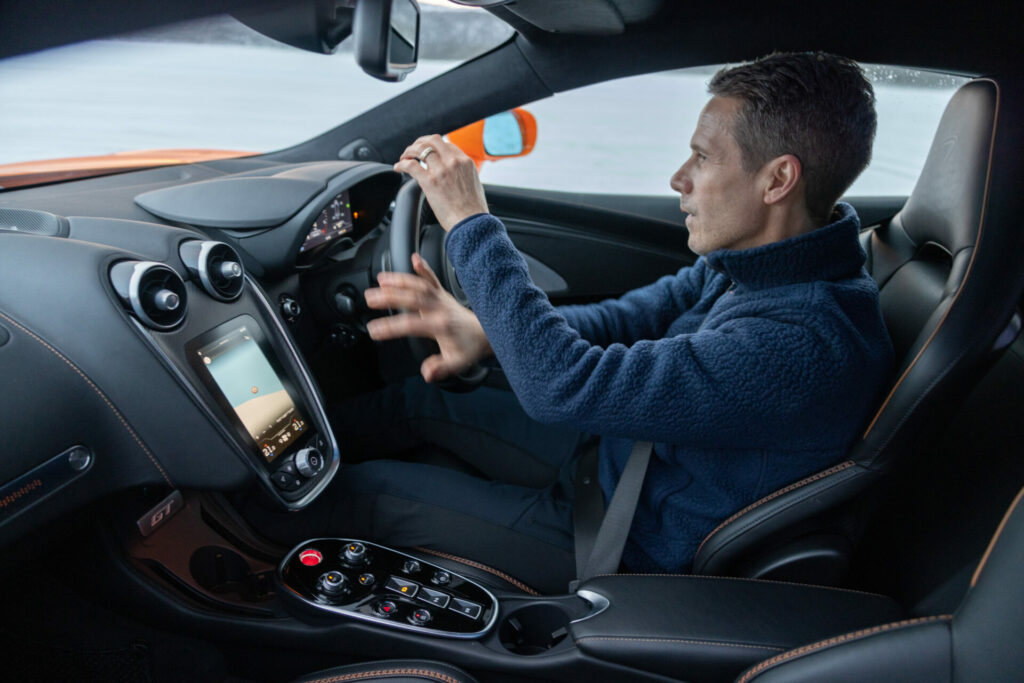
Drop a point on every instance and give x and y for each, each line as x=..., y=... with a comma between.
x=723, y=201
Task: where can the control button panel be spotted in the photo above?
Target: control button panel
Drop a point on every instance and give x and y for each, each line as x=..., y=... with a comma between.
x=372, y=583
x=301, y=470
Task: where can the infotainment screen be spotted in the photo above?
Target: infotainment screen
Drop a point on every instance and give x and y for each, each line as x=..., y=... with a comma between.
x=233, y=360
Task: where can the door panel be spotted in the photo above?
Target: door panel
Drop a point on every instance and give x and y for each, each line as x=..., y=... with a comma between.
x=601, y=246
x=605, y=245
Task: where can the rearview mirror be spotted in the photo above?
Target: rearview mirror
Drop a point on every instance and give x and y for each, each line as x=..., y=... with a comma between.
x=502, y=136
x=386, y=37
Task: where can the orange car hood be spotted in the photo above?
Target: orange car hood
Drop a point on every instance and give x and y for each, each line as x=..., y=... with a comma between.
x=54, y=170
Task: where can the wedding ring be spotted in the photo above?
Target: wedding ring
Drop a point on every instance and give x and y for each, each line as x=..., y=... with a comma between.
x=424, y=154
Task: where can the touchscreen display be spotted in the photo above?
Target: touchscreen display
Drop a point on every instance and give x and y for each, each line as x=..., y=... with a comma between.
x=252, y=387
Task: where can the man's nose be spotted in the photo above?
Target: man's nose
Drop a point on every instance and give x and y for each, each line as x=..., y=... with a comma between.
x=680, y=181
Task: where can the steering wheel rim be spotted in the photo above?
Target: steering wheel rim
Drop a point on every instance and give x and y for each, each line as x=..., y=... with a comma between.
x=403, y=242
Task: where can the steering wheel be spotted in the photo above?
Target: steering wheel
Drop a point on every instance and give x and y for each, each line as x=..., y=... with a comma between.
x=404, y=241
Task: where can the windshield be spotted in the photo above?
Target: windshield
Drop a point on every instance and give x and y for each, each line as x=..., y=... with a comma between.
x=207, y=84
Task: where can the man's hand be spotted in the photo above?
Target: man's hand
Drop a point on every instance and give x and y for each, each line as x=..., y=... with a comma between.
x=448, y=178
x=430, y=312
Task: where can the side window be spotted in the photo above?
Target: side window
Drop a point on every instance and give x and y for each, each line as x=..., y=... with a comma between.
x=628, y=136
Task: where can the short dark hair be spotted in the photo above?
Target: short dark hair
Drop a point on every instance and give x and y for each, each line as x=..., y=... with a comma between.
x=816, y=106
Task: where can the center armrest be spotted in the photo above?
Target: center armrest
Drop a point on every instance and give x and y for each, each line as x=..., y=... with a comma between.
x=710, y=629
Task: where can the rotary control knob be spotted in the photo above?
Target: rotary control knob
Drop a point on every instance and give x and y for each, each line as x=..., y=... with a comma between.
x=354, y=553
x=229, y=270
x=166, y=300
x=309, y=462
x=421, y=616
x=290, y=308
x=332, y=583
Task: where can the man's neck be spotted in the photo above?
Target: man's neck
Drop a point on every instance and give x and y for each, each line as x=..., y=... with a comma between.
x=781, y=223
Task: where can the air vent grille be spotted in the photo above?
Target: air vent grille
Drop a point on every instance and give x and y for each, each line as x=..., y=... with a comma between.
x=154, y=292
x=218, y=267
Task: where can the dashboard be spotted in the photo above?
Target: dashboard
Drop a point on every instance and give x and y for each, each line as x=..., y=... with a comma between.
x=144, y=347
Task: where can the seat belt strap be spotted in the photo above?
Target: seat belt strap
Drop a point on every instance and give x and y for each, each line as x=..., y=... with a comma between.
x=606, y=553
x=587, y=508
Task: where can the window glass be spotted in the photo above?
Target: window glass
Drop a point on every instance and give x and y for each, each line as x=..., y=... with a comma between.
x=207, y=84
x=629, y=135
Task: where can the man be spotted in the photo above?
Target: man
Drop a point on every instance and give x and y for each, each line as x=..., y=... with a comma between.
x=749, y=370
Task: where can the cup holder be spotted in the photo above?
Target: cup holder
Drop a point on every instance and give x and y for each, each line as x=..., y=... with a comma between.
x=534, y=629
x=222, y=571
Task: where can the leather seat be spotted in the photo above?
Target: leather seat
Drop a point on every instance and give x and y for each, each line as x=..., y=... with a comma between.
x=974, y=644
x=392, y=671
x=950, y=277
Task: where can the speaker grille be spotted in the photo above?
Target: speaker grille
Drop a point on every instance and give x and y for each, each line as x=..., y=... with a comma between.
x=34, y=222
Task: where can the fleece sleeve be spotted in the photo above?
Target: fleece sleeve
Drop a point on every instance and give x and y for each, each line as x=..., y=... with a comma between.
x=716, y=387
x=643, y=313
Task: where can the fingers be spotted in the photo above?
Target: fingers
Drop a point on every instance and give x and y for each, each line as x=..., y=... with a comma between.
x=388, y=298
x=435, y=368
x=435, y=141
x=420, y=265
x=389, y=278
x=400, y=325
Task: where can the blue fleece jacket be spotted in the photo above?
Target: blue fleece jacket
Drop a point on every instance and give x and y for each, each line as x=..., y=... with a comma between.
x=749, y=370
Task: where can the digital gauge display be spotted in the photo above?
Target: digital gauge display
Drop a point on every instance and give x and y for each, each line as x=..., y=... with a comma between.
x=333, y=222
x=236, y=362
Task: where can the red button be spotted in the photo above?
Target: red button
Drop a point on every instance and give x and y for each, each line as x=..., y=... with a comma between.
x=310, y=557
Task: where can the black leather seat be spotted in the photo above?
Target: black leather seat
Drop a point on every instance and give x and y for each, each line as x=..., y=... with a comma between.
x=950, y=275
x=392, y=671
x=979, y=643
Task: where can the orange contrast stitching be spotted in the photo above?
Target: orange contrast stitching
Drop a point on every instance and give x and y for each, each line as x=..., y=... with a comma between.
x=490, y=570
x=683, y=640
x=803, y=482
x=425, y=673
x=837, y=640
x=995, y=537
x=106, y=400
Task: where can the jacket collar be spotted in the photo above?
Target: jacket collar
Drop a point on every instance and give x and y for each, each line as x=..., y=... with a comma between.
x=832, y=252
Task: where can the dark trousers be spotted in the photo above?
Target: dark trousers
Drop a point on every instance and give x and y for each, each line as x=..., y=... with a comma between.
x=507, y=502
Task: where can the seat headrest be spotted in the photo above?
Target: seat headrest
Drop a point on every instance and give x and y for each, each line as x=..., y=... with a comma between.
x=947, y=204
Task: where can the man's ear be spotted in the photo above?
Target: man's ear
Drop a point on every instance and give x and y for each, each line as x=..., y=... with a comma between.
x=782, y=175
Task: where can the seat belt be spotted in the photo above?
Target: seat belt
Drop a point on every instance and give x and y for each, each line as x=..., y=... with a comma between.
x=599, y=542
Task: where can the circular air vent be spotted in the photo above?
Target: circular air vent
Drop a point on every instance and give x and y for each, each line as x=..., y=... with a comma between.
x=217, y=266
x=155, y=293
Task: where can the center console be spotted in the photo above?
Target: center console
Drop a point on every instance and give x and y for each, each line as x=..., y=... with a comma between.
x=240, y=370
x=354, y=599
x=375, y=584
x=223, y=340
